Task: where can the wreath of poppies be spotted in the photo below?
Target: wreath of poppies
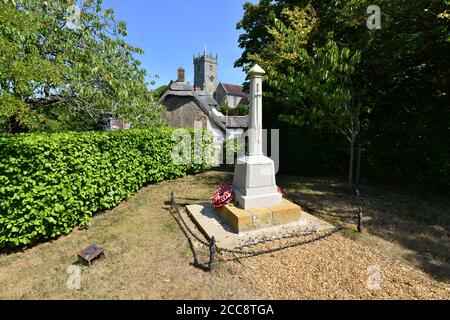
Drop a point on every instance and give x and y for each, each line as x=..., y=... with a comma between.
x=279, y=190
x=223, y=196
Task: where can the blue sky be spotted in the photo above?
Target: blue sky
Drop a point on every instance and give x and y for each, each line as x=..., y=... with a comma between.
x=171, y=32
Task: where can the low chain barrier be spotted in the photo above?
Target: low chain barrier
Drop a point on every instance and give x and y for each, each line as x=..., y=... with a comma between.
x=359, y=215
x=243, y=251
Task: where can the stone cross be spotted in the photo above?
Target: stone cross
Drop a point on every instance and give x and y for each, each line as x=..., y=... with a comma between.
x=255, y=131
x=254, y=182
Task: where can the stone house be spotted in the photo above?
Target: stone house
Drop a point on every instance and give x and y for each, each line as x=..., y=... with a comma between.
x=186, y=107
x=232, y=94
x=108, y=122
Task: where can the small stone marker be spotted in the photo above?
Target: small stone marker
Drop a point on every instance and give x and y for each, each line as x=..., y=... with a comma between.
x=90, y=253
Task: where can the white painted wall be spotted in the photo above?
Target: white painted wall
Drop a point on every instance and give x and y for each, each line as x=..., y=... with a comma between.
x=233, y=101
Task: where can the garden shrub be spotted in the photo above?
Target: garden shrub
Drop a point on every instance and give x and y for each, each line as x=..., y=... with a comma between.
x=243, y=109
x=51, y=183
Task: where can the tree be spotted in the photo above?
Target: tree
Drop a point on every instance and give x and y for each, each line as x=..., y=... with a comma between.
x=61, y=67
x=404, y=71
x=161, y=90
x=445, y=15
x=254, y=23
x=243, y=109
x=224, y=108
x=313, y=84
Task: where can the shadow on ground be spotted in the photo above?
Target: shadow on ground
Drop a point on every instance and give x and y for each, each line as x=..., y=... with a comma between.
x=413, y=224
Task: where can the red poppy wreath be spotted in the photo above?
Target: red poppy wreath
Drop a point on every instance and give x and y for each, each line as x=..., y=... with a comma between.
x=223, y=196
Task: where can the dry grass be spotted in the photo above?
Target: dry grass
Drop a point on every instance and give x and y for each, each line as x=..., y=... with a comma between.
x=148, y=257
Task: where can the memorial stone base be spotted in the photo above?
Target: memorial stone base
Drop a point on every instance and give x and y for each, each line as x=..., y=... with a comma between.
x=233, y=227
x=241, y=220
x=254, y=182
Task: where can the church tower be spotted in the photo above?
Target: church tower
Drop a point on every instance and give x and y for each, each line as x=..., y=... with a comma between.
x=205, y=73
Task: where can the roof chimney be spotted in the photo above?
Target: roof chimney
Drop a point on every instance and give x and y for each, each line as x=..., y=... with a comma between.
x=180, y=75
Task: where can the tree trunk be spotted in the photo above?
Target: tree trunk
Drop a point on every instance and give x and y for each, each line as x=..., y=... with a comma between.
x=350, y=163
x=14, y=125
x=358, y=166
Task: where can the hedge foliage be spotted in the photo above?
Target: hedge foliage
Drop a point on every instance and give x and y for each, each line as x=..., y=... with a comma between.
x=51, y=183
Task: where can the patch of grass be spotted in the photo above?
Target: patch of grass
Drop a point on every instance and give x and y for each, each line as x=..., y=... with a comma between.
x=351, y=234
x=413, y=220
x=186, y=252
x=169, y=227
x=222, y=267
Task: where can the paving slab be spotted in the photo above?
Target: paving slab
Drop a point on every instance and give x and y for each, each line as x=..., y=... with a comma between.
x=212, y=224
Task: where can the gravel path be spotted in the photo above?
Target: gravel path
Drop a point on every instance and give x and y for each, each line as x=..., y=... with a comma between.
x=336, y=268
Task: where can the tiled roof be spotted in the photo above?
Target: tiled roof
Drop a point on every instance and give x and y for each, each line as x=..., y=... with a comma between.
x=209, y=100
x=234, y=90
x=236, y=121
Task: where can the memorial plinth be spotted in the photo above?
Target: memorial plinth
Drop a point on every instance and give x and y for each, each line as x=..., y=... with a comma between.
x=254, y=182
x=241, y=220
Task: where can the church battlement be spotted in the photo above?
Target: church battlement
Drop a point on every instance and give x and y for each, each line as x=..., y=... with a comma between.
x=202, y=57
x=205, y=72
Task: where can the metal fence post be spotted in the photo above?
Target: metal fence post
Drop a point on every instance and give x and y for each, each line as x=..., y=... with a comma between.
x=360, y=217
x=172, y=200
x=212, y=254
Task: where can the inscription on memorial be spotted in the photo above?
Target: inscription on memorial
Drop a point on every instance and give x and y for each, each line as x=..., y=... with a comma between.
x=258, y=176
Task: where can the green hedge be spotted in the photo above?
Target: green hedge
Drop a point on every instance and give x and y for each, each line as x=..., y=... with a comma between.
x=51, y=183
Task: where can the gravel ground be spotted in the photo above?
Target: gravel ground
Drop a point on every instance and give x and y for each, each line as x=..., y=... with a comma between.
x=338, y=267
x=335, y=268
